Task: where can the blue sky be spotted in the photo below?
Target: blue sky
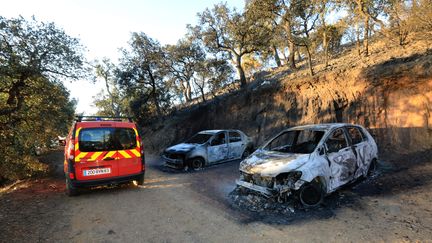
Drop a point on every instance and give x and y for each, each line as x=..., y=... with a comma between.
x=103, y=26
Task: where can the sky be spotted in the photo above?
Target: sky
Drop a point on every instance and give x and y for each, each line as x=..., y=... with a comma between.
x=104, y=26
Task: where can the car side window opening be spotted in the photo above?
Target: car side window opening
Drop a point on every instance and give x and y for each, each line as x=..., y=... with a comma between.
x=355, y=135
x=218, y=139
x=234, y=137
x=336, y=141
x=296, y=141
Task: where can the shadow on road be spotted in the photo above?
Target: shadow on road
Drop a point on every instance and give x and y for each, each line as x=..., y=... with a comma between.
x=396, y=174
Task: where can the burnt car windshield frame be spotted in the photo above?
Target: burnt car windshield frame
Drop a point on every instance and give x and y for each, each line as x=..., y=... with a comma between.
x=324, y=135
x=197, y=134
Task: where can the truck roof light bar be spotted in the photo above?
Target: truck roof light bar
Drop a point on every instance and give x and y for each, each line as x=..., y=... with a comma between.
x=103, y=118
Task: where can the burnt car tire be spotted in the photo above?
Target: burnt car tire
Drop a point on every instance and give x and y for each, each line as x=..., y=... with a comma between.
x=71, y=190
x=311, y=195
x=140, y=180
x=372, y=168
x=196, y=163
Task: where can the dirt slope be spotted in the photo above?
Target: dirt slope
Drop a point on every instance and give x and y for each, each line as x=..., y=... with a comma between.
x=389, y=92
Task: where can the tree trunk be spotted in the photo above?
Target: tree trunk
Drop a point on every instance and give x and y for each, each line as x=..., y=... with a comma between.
x=154, y=93
x=202, y=93
x=240, y=70
x=299, y=56
x=113, y=105
x=15, y=100
x=311, y=71
x=156, y=101
x=276, y=56
x=188, y=91
x=201, y=86
x=183, y=91
x=291, y=46
x=325, y=46
x=366, y=35
x=325, y=41
x=291, y=57
x=357, y=30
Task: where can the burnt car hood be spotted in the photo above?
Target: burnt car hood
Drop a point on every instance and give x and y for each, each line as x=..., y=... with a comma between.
x=181, y=148
x=271, y=163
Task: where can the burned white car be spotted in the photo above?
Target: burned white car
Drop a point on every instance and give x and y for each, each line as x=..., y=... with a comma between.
x=309, y=162
x=208, y=147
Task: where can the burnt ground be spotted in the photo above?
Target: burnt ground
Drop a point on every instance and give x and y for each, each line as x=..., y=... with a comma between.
x=393, y=205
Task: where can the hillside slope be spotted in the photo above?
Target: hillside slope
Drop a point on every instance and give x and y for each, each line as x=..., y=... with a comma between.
x=389, y=92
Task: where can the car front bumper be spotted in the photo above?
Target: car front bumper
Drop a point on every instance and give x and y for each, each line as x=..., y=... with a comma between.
x=173, y=163
x=263, y=190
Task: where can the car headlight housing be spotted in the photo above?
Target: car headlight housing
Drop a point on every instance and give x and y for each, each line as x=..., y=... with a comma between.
x=288, y=178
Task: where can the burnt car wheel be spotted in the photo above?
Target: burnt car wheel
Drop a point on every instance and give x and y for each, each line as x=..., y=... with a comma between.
x=372, y=168
x=70, y=189
x=311, y=195
x=197, y=163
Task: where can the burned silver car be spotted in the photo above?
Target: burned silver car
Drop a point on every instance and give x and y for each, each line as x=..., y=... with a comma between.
x=208, y=147
x=309, y=161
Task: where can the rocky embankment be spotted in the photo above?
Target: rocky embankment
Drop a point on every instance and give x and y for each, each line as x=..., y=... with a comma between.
x=389, y=92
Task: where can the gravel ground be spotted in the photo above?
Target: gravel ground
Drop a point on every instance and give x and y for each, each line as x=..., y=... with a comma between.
x=204, y=206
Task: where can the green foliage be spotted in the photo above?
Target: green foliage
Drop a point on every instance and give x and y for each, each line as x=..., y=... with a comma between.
x=34, y=105
x=406, y=18
x=334, y=34
x=112, y=101
x=141, y=75
x=183, y=61
x=152, y=79
x=225, y=30
x=213, y=74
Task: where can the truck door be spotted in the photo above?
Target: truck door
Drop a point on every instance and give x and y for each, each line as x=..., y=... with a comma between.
x=94, y=157
x=128, y=153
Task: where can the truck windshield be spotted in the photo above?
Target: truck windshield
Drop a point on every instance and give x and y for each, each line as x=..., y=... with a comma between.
x=106, y=139
x=199, y=138
x=295, y=141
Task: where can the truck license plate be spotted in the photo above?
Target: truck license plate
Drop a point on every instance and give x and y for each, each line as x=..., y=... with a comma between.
x=97, y=171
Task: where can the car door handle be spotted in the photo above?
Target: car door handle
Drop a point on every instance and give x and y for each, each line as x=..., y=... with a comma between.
x=109, y=158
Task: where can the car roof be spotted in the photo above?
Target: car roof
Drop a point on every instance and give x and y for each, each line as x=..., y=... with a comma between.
x=210, y=131
x=216, y=131
x=321, y=126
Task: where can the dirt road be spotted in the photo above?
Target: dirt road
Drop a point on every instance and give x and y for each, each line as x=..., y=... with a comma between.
x=194, y=207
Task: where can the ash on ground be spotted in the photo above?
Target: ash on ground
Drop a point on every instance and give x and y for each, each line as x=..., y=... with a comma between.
x=243, y=198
